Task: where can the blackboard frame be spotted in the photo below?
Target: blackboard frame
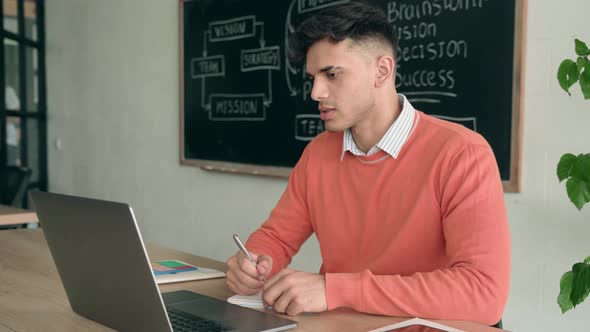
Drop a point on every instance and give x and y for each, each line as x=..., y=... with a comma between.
x=513, y=185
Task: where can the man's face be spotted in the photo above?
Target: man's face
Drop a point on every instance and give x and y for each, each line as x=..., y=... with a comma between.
x=343, y=83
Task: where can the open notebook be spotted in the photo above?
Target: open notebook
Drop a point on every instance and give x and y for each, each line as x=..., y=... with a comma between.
x=249, y=301
x=427, y=326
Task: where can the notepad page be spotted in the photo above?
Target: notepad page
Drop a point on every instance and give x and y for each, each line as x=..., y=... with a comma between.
x=250, y=301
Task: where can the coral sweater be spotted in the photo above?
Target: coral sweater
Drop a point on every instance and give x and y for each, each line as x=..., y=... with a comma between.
x=422, y=235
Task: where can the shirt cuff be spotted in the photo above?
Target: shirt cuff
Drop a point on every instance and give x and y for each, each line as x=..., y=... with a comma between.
x=343, y=290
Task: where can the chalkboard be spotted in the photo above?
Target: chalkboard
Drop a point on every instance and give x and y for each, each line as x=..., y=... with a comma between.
x=246, y=108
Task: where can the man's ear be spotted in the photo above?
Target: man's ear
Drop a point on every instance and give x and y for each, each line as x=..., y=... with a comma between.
x=385, y=67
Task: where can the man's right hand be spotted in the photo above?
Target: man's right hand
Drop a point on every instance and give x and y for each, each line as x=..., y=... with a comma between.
x=245, y=278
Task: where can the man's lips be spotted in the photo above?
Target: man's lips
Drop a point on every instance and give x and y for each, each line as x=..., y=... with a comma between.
x=326, y=112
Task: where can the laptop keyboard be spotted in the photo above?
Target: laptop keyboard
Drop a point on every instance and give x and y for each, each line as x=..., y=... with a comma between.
x=182, y=322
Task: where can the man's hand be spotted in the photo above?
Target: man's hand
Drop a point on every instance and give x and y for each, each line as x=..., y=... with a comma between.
x=245, y=278
x=293, y=292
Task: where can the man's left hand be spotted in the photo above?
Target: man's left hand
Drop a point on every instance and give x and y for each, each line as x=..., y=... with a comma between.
x=293, y=292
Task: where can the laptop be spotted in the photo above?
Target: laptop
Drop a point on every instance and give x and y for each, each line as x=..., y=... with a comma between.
x=105, y=271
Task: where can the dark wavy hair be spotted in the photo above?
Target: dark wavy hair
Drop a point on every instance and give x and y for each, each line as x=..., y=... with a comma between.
x=356, y=20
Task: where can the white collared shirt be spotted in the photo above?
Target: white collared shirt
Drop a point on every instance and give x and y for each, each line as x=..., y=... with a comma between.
x=393, y=140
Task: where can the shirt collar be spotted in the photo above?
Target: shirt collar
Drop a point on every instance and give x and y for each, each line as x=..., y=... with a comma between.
x=394, y=139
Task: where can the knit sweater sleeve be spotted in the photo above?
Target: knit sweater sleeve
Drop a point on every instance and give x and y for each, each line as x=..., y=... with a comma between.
x=474, y=286
x=288, y=225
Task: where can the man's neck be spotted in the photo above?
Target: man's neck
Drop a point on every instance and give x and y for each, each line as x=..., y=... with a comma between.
x=369, y=132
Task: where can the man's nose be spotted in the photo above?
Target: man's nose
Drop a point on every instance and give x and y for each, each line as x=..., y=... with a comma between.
x=319, y=90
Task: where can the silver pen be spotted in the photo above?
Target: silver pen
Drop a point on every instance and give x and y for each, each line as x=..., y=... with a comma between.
x=243, y=249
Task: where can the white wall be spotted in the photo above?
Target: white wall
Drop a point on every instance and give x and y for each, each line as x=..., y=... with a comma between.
x=113, y=105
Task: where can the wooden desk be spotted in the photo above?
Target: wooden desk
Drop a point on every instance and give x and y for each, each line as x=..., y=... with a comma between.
x=12, y=216
x=32, y=297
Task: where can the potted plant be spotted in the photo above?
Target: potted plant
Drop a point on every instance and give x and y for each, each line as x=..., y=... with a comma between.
x=575, y=284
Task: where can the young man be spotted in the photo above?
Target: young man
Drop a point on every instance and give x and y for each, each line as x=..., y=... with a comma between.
x=408, y=209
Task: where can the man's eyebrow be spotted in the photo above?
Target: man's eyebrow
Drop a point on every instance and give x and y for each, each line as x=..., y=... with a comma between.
x=325, y=69
x=328, y=68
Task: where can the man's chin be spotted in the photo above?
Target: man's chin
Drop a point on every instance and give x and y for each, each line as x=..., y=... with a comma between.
x=333, y=128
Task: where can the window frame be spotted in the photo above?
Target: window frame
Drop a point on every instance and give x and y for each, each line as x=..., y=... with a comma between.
x=26, y=114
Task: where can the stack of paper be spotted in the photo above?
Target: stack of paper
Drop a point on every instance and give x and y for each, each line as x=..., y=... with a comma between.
x=173, y=270
x=249, y=301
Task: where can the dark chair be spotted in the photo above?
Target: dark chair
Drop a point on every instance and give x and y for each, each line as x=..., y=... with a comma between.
x=17, y=180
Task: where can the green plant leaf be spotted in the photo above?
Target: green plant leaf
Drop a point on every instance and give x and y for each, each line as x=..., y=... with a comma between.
x=567, y=74
x=565, y=165
x=581, y=48
x=587, y=260
x=576, y=268
x=581, y=168
x=565, y=289
x=585, y=81
x=581, y=63
x=580, y=283
x=578, y=191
